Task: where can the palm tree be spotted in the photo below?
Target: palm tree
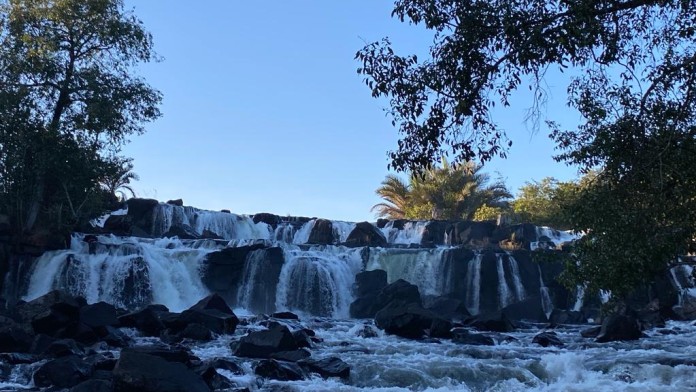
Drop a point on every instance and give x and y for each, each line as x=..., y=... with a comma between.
x=395, y=193
x=448, y=192
x=117, y=181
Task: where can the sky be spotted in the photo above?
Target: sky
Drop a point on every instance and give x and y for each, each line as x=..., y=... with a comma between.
x=264, y=111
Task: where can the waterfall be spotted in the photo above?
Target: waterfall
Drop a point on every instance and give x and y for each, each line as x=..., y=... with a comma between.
x=302, y=235
x=473, y=284
x=255, y=292
x=579, y=298
x=227, y=225
x=426, y=268
x=341, y=230
x=520, y=293
x=284, y=232
x=318, y=281
x=127, y=273
x=412, y=233
x=503, y=289
x=546, y=302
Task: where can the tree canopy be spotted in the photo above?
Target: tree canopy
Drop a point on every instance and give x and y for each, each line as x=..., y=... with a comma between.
x=448, y=192
x=633, y=81
x=69, y=99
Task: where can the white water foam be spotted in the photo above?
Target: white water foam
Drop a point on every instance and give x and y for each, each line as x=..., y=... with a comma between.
x=426, y=268
x=412, y=233
x=473, y=284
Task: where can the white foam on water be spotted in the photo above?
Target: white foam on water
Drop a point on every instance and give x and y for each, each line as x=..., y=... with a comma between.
x=171, y=270
x=579, y=298
x=503, y=289
x=412, y=233
x=319, y=280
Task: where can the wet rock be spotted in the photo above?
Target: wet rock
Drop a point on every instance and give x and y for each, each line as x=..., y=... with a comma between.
x=322, y=233
x=113, y=336
x=269, y=219
x=464, y=336
x=560, y=316
x=367, y=331
x=14, y=358
x=291, y=356
x=364, y=307
x=211, y=312
x=196, y=332
x=178, y=354
x=619, y=327
x=63, y=348
x=100, y=314
x=548, y=338
x=176, y=202
x=148, y=320
x=136, y=371
x=140, y=212
x=94, y=386
x=399, y=292
x=365, y=234
x=370, y=282
x=261, y=344
x=41, y=343
x=449, y=308
x=440, y=328
x=50, y=312
x=63, y=372
x=214, y=379
x=285, y=316
x=494, y=322
x=225, y=364
x=591, y=332
x=184, y=232
x=13, y=338
x=327, y=367
x=278, y=370
x=302, y=338
x=406, y=320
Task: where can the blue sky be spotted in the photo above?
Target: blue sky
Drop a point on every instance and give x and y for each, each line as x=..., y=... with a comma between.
x=264, y=111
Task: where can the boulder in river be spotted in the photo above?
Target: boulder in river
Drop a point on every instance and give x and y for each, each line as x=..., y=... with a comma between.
x=261, y=344
x=619, y=327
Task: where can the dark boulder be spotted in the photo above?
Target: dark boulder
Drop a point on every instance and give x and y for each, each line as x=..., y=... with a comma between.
x=176, y=202
x=269, y=219
x=291, y=356
x=560, y=316
x=364, y=307
x=473, y=234
x=113, y=336
x=401, y=292
x=147, y=320
x=322, y=233
x=591, y=332
x=327, y=367
x=100, y=314
x=13, y=338
x=434, y=232
x=303, y=338
x=196, y=332
x=141, y=214
x=184, y=232
x=370, y=282
x=136, y=371
x=406, y=320
x=14, y=358
x=224, y=269
x=440, y=328
x=449, y=308
x=94, y=386
x=279, y=370
x=121, y=225
x=261, y=344
x=464, y=336
x=178, y=354
x=619, y=327
x=214, y=379
x=494, y=322
x=212, y=312
x=50, y=312
x=548, y=338
x=64, y=372
x=365, y=234
x=63, y=348
x=285, y=316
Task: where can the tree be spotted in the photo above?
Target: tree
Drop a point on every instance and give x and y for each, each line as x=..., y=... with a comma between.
x=68, y=101
x=635, y=90
x=545, y=202
x=118, y=179
x=448, y=192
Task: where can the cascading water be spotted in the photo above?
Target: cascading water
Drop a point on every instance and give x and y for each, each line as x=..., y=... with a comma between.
x=284, y=232
x=520, y=293
x=255, y=293
x=318, y=281
x=504, y=296
x=579, y=298
x=341, y=230
x=473, y=284
x=546, y=302
x=426, y=268
x=227, y=225
x=302, y=235
x=412, y=233
x=127, y=273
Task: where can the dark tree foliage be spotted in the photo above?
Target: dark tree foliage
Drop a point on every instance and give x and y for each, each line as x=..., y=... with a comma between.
x=68, y=101
x=484, y=50
x=634, y=84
